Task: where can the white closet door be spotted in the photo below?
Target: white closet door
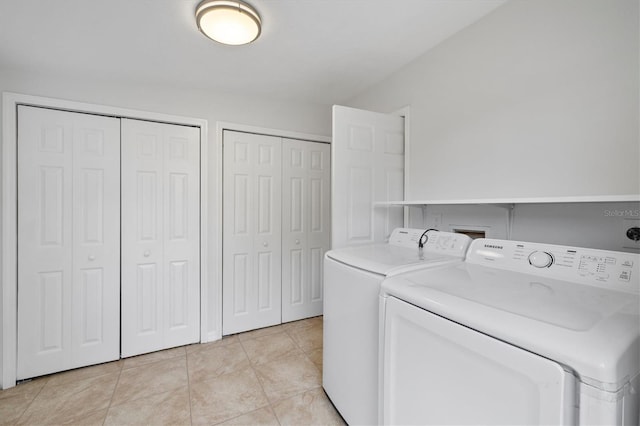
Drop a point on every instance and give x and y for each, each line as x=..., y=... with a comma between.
x=68, y=240
x=251, y=264
x=160, y=236
x=305, y=226
x=367, y=153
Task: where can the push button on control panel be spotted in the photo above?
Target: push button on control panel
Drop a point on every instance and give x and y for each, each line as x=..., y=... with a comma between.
x=625, y=275
x=541, y=259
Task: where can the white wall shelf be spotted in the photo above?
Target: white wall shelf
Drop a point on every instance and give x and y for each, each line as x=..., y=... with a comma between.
x=511, y=201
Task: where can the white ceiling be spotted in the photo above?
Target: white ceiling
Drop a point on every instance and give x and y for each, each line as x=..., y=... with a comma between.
x=322, y=51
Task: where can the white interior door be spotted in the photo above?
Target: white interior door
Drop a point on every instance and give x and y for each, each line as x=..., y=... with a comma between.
x=435, y=372
x=367, y=155
x=251, y=253
x=160, y=236
x=306, y=226
x=68, y=240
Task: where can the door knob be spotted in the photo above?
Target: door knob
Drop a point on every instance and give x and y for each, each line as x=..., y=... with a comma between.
x=265, y=244
x=147, y=253
x=92, y=257
x=297, y=241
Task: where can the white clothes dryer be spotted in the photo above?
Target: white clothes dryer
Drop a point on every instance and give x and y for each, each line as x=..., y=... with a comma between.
x=352, y=278
x=519, y=333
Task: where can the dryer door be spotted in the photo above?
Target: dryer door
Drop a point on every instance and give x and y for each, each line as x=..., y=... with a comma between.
x=436, y=371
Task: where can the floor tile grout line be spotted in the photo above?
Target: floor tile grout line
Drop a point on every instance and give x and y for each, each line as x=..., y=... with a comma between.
x=294, y=341
x=31, y=402
x=186, y=356
x=281, y=330
x=306, y=354
x=277, y=401
x=244, y=414
x=271, y=403
x=48, y=381
x=295, y=346
x=152, y=361
x=106, y=414
x=255, y=372
x=153, y=393
x=87, y=378
x=275, y=414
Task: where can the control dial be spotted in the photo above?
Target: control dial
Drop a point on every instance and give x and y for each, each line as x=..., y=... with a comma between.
x=541, y=259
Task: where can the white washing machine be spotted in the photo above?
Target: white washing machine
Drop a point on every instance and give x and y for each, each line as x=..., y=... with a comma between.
x=352, y=278
x=519, y=333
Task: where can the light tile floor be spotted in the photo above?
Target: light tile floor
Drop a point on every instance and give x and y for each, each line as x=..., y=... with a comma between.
x=271, y=376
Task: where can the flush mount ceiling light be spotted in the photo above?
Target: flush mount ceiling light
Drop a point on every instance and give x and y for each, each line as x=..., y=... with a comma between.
x=228, y=22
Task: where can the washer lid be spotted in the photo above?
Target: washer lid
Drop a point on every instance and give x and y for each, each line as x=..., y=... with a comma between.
x=388, y=260
x=402, y=252
x=594, y=331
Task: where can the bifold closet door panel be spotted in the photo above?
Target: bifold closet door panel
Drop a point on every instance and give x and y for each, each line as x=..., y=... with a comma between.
x=182, y=235
x=68, y=240
x=160, y=236
x=306, y=232
x=251, y=265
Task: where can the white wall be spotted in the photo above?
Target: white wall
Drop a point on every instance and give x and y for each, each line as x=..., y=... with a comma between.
x=228, y=107
x=537, y=99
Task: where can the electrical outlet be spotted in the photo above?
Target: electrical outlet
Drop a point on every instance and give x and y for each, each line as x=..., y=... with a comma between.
x=630, y=233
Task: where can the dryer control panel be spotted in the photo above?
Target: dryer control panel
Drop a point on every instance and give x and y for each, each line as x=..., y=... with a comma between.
x=602, y=268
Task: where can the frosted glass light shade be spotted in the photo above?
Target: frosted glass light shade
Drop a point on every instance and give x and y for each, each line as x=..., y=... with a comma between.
x=228, y=22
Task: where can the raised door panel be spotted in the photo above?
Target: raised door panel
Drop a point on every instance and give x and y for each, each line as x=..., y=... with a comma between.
x=68, y=262
x=251, y=236
x=389, y=182
x=294, y=279
x=306, y=230
x=146, y=318
x=360, y=201
x=238, y=289
x=238, y=228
